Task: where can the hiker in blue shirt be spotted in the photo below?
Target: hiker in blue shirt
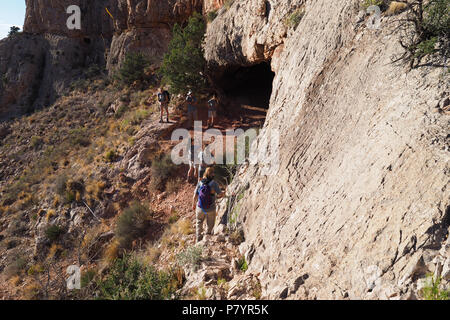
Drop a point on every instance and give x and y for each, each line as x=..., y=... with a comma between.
x=191, y=108
x=204, y=203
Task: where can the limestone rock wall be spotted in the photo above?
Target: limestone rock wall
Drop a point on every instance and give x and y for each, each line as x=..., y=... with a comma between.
x=359, y=205
x=248, y=32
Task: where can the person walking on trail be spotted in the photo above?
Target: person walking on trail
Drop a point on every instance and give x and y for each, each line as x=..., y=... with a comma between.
x=212, y=110
x=201, y=164
x=192, y=154
x=204, y=203
x=164, y=99
x=191, y=108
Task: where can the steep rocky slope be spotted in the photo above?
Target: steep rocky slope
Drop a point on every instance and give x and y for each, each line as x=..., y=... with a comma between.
x=360, y=203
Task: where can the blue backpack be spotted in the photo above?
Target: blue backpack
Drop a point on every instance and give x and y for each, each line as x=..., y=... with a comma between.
x=204, y=195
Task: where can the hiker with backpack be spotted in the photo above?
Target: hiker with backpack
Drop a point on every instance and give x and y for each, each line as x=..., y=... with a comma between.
x=192, y=153
x=204, y=203
x=212, y=110
x=164, y=99
x=201, y=165
x=191, y=108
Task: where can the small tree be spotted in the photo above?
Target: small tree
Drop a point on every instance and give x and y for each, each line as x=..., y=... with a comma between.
x=183, y=65
x=132, y=223
x=13, y=31
x=424, y=30
x=133, y=68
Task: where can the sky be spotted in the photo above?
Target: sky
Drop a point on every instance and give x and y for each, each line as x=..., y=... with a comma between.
x=12, y=13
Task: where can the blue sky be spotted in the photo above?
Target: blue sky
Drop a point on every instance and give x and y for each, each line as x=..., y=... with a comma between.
x=12, y=13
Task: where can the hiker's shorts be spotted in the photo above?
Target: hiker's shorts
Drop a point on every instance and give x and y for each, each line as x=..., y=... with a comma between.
x=164, y=105
x=200, y=217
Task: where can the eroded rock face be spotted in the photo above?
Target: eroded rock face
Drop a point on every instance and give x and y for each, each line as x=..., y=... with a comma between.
x=248, y=32
x=361, y=189
x=145, y=26
x=39, y=64
x=49, y=16
x=212, y=5
x=37, y=68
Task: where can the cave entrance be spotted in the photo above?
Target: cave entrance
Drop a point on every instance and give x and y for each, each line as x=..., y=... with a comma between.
x=247, y=92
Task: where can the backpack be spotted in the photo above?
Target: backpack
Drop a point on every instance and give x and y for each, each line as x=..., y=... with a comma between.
x=204, y=195
x=212, y=103
x=164, y=96
x=167, y=95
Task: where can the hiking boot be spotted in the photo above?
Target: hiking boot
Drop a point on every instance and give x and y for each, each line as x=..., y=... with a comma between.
x=161, y=121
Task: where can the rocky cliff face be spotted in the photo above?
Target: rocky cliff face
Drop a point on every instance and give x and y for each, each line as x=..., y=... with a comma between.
x=38, y=65
x=46, y=16
x=359, y=206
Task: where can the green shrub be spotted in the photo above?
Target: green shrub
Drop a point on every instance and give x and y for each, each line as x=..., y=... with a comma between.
x=228, y=4
x=174, y=218
x=161, y=171
x=211, y=15
x=237, y=237
x=437, y=18
x=36, y=141
x=294, y=18
x=110, y=156
x=425, y=48
x=191, y=257
x=120, y=111
x=130, y=279
x=425, y=31
x=13, y=31
x=133, y=68
x=16, y=266
x=433, y=290
x=93, y=71
x=367, y=3
x=183, y=66
x=79, y=137
x=242, y=264
x=53, y=232
x=87, y=277
x=68, y=189
x=136, y=117
x=132, y=223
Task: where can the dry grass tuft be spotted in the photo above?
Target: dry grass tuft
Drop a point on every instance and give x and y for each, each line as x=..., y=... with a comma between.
x=111, y=252
x=50, y=214
x=396, y=7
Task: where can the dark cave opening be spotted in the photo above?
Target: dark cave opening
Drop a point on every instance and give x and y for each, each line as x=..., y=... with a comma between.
x=245, y=93
x=248, y=86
